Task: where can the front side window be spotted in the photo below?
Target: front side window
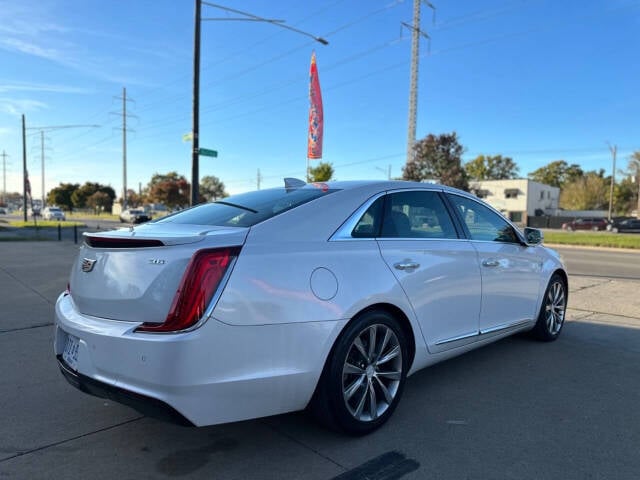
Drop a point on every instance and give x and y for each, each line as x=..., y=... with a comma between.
x=483, y=223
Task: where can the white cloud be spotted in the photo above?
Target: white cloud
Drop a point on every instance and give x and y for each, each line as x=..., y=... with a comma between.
x=18, y=107
x=24, y=46
x=41, y=87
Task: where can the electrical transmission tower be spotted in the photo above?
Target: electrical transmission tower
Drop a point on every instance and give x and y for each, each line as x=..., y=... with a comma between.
x=124, y=143
x=413, y=86
x=50, y=128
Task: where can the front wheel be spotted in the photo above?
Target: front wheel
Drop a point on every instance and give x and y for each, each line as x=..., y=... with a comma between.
x=364, y=377
x=552, y=311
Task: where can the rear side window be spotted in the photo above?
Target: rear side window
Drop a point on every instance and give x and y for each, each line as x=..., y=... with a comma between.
x=414, y=214
x=417, y=215
x=248, y=209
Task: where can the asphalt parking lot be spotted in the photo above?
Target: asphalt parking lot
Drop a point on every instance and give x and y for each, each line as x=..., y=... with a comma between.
x=517, y=409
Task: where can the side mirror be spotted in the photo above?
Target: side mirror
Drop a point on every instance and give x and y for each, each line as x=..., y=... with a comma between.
x=533, y=236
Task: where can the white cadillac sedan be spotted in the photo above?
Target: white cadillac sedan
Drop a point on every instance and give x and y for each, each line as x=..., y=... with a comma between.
x=324, y=296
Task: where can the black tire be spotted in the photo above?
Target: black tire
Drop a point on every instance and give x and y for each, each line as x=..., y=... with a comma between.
x=552, y=311
x=361, y=375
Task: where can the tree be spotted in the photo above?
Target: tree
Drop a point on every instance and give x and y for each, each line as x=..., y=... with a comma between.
x=437, y=158
x=625, y=195
x=134, y=199
x=100, y=202
x=322, y=173
x=80, y=196
x=212, y=188
x=61, y=195
x=491, y=167
x=588, y=192
x=634, y=172
x=557, y=174
x=170, y=189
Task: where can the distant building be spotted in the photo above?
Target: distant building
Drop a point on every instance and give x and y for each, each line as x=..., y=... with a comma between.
x=519, y=198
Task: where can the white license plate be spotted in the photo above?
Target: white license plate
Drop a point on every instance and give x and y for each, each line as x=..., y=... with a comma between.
x=70, y=353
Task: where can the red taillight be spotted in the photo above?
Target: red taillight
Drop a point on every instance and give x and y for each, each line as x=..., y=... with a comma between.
x=199, y=283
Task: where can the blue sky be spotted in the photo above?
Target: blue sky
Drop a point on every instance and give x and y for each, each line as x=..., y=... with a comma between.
x=538, y=80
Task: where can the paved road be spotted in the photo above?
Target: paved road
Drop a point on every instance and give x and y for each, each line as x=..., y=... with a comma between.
x=601, y=262
x=517, y=409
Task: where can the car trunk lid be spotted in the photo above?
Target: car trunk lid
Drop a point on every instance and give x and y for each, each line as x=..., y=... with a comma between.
x=133, y=274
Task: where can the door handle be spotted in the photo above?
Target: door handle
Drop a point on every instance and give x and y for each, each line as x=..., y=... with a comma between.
x=492, y=262
x=406, y=265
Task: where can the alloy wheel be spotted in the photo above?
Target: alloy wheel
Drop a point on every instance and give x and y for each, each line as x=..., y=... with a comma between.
x=555, y=307
x=372, y=372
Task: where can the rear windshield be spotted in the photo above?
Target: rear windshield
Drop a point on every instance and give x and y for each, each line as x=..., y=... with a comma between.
x=247, y=209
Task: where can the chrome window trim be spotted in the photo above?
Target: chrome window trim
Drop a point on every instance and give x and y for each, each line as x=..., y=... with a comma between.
x=343, y=233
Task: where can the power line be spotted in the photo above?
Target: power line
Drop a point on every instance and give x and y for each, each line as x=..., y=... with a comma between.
x=273, y=59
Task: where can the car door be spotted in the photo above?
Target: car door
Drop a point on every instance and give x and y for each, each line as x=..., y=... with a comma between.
x=438, y=271
x=510, y=270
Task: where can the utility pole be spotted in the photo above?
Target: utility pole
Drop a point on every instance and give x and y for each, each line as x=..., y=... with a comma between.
x=42, y=161
x=124, y=143
x=42, y=146
x=258, y=179
x=24, y=169
x=244, y=16
x=413, y=84
x=124, y=148
x=195, y=158
x=387, y=171
x=614, y=151
x=4, y=176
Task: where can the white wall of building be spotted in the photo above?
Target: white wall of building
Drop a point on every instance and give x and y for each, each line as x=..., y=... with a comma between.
x=518, y=198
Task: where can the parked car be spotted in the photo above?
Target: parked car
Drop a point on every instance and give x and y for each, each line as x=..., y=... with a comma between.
x=626, y=225
x=324, y=296
x=134, y=215
x=586, y=224
x=33, y=212
x=3, y=211
x=53, y=213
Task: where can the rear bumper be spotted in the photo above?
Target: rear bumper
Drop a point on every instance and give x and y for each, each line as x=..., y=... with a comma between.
x=215, y=374
x=151, y=407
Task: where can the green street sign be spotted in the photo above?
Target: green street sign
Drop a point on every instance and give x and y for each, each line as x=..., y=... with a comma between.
x=207, y=153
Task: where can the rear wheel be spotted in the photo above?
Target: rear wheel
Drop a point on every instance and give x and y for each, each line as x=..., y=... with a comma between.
x=364, y=377
x=552, y=312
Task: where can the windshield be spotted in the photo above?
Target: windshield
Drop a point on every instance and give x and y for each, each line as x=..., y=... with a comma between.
x=247, y=209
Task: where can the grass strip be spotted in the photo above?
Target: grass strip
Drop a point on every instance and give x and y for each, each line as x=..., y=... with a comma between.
x=44, y=223
x=593, y=239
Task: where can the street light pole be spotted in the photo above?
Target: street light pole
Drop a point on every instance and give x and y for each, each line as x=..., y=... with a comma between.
x=195, y=155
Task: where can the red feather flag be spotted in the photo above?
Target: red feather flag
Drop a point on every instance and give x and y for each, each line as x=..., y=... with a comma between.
x=314, y=142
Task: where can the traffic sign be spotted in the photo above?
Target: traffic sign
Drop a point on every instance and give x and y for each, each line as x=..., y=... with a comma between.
x=208, y=153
